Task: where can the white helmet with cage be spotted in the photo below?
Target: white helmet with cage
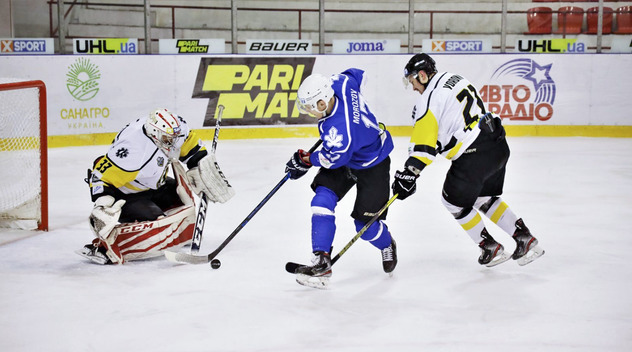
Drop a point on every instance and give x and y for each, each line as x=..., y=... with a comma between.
x=164, y=129
x=313, y=89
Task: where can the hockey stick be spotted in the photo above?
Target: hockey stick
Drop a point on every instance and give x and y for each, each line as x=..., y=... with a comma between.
x=291, y=267
x=201, y=215
x=185, y=258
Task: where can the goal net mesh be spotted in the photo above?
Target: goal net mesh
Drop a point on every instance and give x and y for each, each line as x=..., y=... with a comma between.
x=20, y=158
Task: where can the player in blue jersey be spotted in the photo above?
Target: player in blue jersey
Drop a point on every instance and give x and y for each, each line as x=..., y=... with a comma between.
x=355, y=153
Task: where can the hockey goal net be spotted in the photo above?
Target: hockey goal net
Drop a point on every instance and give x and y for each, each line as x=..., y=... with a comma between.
x=23, y=155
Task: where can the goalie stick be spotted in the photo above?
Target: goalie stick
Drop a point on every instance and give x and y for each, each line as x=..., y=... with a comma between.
x=186, y=258
x=201, y=215
x=291, y=267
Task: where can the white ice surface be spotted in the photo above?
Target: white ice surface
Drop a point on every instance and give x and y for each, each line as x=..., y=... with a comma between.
x=574, y=194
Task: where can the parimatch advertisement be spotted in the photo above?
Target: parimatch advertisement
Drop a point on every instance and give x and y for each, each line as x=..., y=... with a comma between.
x=253, y=90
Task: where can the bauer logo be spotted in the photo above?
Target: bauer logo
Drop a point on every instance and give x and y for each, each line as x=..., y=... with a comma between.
x=253, y=90
x=108, y=46
x=27, y=46
x=278, y=46
x=371, y=46
x=458, y=45
x=555, y=46
x=521, y=90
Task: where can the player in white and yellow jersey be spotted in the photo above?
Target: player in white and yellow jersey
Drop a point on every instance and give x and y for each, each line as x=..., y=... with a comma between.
x=138, y=209
x=450, y=119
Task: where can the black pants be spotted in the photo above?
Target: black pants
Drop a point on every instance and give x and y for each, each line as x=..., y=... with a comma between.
x=373, y=187
x=479, y=172
x=149, y=205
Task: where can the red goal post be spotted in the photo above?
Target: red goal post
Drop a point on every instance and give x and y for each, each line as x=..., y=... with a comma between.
x=23, y=155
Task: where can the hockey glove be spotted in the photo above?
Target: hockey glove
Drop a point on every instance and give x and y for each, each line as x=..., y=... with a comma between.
x=404, y=184
x=105, y=215
x=298, y=165
x=208, y=178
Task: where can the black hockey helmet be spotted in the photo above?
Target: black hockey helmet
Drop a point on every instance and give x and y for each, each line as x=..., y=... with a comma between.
x=419, y=62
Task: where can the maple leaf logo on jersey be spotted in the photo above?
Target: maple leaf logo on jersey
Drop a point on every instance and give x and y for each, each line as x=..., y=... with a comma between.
x=333, y=139
x=122, y=153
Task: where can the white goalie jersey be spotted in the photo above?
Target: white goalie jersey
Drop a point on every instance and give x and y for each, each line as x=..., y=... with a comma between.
x=134, y=164
x=445, y=118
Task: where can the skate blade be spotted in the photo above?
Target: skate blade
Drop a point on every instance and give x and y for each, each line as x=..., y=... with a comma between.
x=533, y=254
x=503, y=257
x=312, y=281
x=92, y=258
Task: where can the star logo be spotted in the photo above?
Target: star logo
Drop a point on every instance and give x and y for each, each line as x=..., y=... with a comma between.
x=539, y=75
x=529, y=70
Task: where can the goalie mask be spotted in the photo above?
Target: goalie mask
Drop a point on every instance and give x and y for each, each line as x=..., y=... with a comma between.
x=163, y=128
x=313, y=89
x=419, y=62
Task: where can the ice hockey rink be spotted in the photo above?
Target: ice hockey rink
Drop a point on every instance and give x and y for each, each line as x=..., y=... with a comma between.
x=574, y=193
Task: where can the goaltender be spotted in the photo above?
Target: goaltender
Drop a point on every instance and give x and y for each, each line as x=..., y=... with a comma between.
x=139, y=210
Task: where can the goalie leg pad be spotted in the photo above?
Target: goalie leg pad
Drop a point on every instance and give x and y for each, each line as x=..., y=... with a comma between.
x=208, y=178
x=142, y=240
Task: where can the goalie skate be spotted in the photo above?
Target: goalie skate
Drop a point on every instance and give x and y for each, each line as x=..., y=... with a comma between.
x=94, y=254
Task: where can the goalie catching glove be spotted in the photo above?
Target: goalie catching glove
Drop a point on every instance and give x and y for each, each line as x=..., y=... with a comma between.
x=207, y=178
x=105, y=216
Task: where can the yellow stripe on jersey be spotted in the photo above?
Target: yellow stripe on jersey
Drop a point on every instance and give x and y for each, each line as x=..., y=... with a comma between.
x=191, y=142
x=425, y=133
x=454, y=150
x=115, y=176
x=499, y=212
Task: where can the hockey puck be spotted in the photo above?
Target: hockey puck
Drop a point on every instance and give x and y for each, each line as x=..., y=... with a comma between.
x=215, y=263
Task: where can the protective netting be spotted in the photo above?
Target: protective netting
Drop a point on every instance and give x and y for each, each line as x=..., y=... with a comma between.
x=20, y=174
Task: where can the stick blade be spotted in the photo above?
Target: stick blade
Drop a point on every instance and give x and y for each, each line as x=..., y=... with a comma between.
x=291, y=267
x=185, y=258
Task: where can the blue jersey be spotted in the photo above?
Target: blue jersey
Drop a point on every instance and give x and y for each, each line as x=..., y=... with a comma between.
x=351, y=133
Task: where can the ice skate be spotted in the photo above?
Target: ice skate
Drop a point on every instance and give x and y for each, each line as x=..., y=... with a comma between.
x=527, y=249
x=94, y=254
x=492, y=252
x=317, y=275
x=389, y=257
